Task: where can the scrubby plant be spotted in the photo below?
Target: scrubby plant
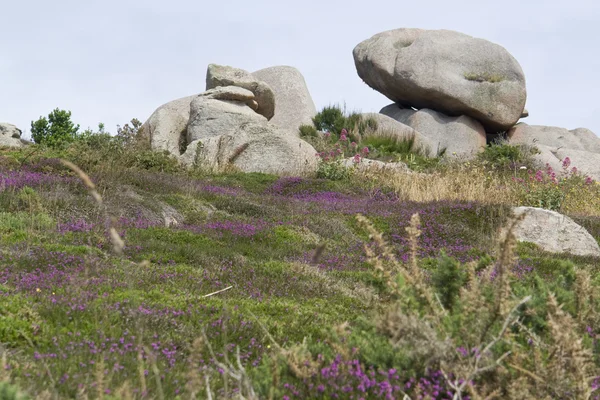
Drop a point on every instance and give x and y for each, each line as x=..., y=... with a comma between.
x=501, y=155
x=308, y=131
x=56, y=130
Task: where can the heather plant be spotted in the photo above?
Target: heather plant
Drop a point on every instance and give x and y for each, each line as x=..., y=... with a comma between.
x=107, y=290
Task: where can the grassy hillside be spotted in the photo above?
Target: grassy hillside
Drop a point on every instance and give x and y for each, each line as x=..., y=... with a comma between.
x=231, y=284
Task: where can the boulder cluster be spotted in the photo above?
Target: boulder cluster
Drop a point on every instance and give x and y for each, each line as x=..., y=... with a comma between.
x=235, y=122
x=450, y=92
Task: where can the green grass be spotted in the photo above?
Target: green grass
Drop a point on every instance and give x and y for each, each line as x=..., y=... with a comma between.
x=66, y=294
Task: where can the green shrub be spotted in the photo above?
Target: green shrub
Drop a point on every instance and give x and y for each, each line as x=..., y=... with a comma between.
x=502, y=155
x=448, y=276
x=330, y=119
x=550, y=197
x=334, y=170
x=11, y=392
x=308, y=131
x=56, y=130
x=389, y=147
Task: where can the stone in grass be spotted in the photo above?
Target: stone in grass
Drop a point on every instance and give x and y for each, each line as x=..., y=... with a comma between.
x=554, y=232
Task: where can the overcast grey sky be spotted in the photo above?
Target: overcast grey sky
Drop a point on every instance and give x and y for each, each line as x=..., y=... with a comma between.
x=110, y=61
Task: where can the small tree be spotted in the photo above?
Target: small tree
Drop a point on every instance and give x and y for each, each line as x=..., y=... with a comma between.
x=55, y=130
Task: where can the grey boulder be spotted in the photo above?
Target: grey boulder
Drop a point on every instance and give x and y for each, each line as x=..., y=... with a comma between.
x=460, y=137
x=366, y=164
x=254, y=147
x=10, y=135
x=222, y=75
x=293, y=104
x=446, y=71
x=554, y=232
x=555, y=144
x=210, y=117
x=167, y=126
x=576, y=139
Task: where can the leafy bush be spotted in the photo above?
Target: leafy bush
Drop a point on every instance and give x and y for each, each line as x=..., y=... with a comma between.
x=502, y=155
x=330, y=119
x=56, y=130
x=11, y=392
x=334, y=170
x=448, y=276
x=308, y=131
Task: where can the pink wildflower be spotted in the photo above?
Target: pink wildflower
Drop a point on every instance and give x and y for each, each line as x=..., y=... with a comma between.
x=356, y=158
x=353, y=144
x=344, y=132
x=343, y=138
x=365, y=150
x=566, y=162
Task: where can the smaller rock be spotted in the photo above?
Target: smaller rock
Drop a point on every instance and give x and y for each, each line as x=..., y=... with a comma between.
x=233, y=93
x=552, y=136
x=211, y=118
x=554, y=232
x=294, y=105
x=366, y=164
x=10, y=135
x=166, y=127
x=525, y=113
x=460, y=137
x=222, y=75
x=254, y=147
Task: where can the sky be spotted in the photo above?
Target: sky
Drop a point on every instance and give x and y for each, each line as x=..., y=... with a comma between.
x=110, y=61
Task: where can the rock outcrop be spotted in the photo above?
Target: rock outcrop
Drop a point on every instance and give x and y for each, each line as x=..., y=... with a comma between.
x=457, y=137
x=222, y=75
x=10, y=135
x=445, y=71
x=254, y=147
x=227, y=126
x=210, y=116
x=555, y=144
x=293, y=104
x=554, y=232
x=167, y=126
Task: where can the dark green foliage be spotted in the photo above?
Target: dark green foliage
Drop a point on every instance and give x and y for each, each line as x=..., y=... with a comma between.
x=334, y=170
x=308, y=131
x=547, y=196
x=56, y=130
x=330, y=119
x=11, y=392
x=507, y=156
x=448, y=277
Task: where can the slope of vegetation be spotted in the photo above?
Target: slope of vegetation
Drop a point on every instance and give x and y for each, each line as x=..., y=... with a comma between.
x=163, y=283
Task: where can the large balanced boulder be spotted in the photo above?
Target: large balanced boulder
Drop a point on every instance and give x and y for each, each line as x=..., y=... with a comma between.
x=167, y=126
x=293, y=104
x=446, y=71
x=554, y=232
x=254, y=147
x=10, y=135
x=221, y=111
x=555, y=144
x=222, y=75
x=458, y=137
